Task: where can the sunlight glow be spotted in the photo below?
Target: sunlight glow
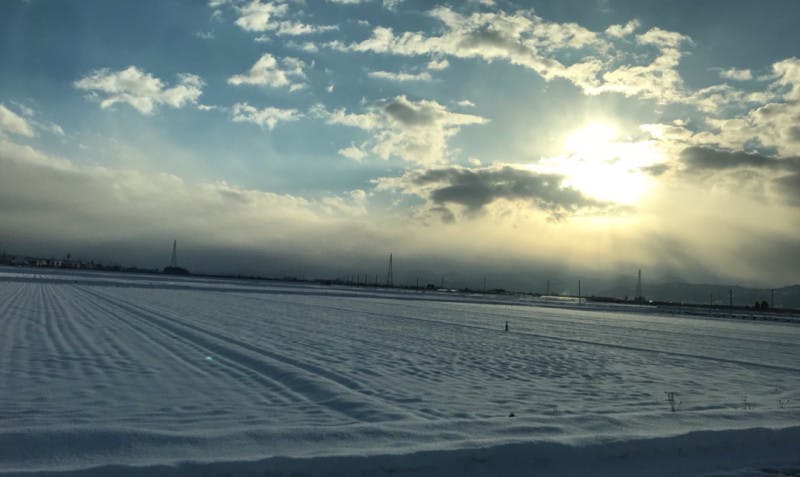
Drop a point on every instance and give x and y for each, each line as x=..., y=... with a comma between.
x=599, y=164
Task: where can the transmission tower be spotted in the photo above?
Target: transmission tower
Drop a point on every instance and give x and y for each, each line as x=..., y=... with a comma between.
x=639, y=296
x=389, y=274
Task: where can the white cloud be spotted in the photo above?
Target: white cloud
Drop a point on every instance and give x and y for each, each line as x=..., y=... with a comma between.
x=261, y=17
x=266, y=118
x=659, y=79
x=307, y=46
x=210, y=107
x=438, y=64
x=26, y=110
x=352, y=204
x=736, y=75
x=29, y=118
x=139, y=89
x=267, y=71
x=204, y=35
x=12, y=123
x=465, y=103
x=293, y=28
x=772, y=124
x=353, y=152
x=257, y=17
x=521, y=38
x=606, y=62
x=391, y=4
x=663, y=39
x=788, y=76
x=391, y=76
x=415, y=131
x=620, y=31
x=53, y=128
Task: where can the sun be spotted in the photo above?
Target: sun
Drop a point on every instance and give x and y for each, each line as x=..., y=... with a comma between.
x=602, y=165
x=595, y=138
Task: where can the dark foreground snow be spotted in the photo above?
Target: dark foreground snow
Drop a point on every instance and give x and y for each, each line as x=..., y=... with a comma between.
x=111, y=375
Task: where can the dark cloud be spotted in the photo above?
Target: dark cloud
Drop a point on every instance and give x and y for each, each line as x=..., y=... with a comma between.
x=409, y=114
x=477, y=188
x=789, y=186
x=794, y=133
x=787, y=183
x=703, y=158
x=656, y=170
x=446, y=214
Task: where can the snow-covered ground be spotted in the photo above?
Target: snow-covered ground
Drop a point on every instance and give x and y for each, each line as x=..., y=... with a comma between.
x=110, y=374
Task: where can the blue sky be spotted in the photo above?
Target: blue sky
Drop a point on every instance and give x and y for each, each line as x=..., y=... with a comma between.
x=314, y=137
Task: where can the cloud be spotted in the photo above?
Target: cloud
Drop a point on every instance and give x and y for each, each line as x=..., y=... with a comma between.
x=353, y=152
x=658, y=79
x=746, y=172
x=400, y=77
x=204, y=35
x=351, y=204
x=415, y=131
x=522, y=38
x=293, y=28
x=259, y=17
x=619, y=31
x=12, y=123
x=601, y=62
x=267, y=71
x=772, y=123
x=474, y=189
x=54, y=206
x=789, y=186
x=43, y=198
x=703, y=158
x=268, y=117
x=437, y=65
x=736, y=75
x=141, y=90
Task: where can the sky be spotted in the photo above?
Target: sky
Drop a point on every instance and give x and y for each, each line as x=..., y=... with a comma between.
x=511, y=142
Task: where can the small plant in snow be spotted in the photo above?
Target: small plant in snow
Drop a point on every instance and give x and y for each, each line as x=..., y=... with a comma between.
x=746, y=405
x=672, y=399
x=782, y=403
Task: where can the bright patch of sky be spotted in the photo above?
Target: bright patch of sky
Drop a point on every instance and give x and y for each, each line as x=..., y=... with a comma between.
x=667, y=128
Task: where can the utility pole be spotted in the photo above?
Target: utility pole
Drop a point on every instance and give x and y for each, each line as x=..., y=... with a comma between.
x=174, y=262
x=579, y=292
x=730, y=300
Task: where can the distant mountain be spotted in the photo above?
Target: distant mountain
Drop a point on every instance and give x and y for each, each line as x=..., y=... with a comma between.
x=785, y=297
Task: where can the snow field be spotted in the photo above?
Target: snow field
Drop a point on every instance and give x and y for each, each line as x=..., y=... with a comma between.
x=201, y=377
